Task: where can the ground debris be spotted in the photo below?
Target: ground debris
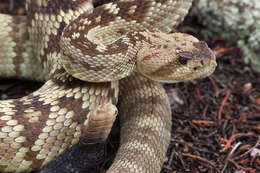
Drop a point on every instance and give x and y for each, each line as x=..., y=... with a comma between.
x=216, y=129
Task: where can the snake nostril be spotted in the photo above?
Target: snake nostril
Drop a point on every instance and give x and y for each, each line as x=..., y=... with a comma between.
x=195, y=68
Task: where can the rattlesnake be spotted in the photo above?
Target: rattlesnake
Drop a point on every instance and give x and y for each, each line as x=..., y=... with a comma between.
x=119, y=39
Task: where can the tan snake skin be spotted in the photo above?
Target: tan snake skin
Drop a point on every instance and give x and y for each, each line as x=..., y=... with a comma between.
x=40, y=126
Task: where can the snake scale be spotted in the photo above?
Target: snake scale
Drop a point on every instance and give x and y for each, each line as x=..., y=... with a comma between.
x=91, y=57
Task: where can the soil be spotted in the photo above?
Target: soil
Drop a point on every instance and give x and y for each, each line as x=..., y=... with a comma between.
x=216, y=120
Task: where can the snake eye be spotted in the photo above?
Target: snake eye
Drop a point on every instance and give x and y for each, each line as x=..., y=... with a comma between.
x=182, y=60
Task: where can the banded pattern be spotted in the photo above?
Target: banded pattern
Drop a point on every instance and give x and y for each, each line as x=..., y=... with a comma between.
x=46, y=21
x=16, y=50
x=40, y=126
x=37, y=128
x=111, y=34
x=90, y=150
x=145, y=128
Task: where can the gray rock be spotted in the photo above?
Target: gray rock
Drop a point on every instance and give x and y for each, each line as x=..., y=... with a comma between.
x=236, y=20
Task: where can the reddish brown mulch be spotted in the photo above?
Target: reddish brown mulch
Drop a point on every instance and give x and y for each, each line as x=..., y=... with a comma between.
x=216, y=120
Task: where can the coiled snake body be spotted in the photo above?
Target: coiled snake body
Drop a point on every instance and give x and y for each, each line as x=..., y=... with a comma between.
x=81, y=53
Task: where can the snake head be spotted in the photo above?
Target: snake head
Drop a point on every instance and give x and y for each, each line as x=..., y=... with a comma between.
x=175, y=58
